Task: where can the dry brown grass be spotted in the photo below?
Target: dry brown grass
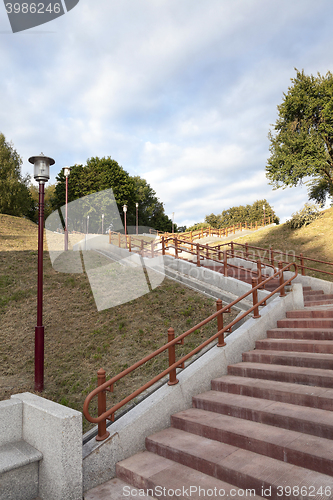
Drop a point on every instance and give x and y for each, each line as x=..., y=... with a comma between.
x=78, y=339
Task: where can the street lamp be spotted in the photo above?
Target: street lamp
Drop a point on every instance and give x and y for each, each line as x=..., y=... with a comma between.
x=66, y=171
x=264, y=215
x=102, y=223
x=41, y=174
x=125, y=210
x=137, y=219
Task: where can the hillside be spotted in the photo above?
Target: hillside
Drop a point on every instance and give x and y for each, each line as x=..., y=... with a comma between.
x=78, y=339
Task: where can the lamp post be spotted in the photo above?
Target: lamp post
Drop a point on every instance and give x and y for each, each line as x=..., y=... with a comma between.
x=125, y=210
x=264, y=214
x=137, y=218
x=66, y=171
x=102, y=223
x=41, y=174
x=173, y=216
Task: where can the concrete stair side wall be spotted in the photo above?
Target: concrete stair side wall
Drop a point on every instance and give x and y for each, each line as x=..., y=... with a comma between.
x=127, y=435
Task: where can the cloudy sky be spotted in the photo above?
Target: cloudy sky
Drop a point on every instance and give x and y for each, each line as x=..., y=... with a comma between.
x=180, y=92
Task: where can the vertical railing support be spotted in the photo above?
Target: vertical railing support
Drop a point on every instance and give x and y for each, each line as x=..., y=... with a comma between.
x=129, y=243
x=282, y=291
x=163, y=246
x=301, y=258
x=271, y=251
x=220, y=338
x=175, y=240
x=142, y=251
x=109, y=236
x=255, y=298
x=198, y=256
x=102, y=432
x=225, y=263
x=207, y=250
x=119, y=240
x=247, y=250
x=259, y=271
x=232, y=249
x=172, y=358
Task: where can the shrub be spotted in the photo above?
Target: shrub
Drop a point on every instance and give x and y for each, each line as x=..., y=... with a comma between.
x=308, y=214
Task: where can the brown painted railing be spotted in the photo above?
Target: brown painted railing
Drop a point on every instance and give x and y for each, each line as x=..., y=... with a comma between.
x=104, y=386
x=269, y=256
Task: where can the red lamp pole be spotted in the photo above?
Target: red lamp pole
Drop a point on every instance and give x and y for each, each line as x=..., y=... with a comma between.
x=41, y=175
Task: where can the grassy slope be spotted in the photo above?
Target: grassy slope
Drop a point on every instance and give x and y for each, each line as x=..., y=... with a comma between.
x=78, y=339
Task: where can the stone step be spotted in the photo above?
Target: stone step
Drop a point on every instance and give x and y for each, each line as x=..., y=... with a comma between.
x=313, y=421
x=301, y=333
x=296, y=345
x=245, y=469
x=300, y=449
x=310, y=313
x=303, y=395
x=308, y=293
x=301, y=359
x=316, y=302
x=152, y=473
x=291, y=374
x=19, y=471
x=305, y=323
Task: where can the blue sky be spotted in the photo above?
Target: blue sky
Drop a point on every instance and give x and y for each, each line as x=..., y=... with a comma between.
x=180, y=92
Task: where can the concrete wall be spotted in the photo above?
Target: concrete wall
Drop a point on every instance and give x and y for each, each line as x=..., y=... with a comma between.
x=54, y=430
x=127, y=435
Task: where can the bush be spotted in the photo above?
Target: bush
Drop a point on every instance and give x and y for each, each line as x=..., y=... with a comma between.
x=308, y=214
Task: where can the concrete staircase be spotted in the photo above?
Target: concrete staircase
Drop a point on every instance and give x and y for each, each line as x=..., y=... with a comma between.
x=265, y=426
x=244, y=274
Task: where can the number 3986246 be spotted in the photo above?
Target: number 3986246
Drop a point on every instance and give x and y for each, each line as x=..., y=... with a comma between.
x=33, y=8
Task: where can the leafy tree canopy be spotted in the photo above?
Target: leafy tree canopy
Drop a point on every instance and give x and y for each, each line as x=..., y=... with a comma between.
x=100, y=174
x=302, y=139
x=15, y=197
x=249, y=213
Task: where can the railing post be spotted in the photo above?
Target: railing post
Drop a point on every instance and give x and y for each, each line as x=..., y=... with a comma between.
x=251, y=226
x=271, y=251
x=301, y=258
x=247, y=250
x=109, y=236
x=198, y=255
x=207, y=251
x=102, y=432
x=226, y=231
x=142, y=251
x=176, y=247
x=282, y=291
x=220, y=338
x=225, y=263
x=232, y=249
x=129, y=243
x=163, y=246
x=172, y=358
x=259, y=271
x=255, y=298
x=256, y=225
x=152, y=249
x=234, y=229
x=119, y=240
x=202, y=232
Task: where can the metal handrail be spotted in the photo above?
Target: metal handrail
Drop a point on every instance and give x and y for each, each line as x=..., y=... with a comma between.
x=103, y=386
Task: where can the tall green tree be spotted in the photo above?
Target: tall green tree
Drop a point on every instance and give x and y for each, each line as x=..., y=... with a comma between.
x=15, y=198
x=302, y=138
x=249, y=213
x=150, y=209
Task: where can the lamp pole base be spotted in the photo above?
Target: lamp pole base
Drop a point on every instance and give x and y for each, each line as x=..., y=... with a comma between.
x=39, y=358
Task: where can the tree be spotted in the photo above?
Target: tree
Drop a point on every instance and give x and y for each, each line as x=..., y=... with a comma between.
x=150, y=209
x=302, y=140
x=15, y=197
x=48, y=200
x=250, y=213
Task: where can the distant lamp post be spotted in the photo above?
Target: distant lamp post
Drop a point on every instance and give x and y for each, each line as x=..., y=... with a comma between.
x=87, y=224
x=102, y=223
x=41, y=174
x=125, y=210
x=137, y=218
x=173, y=216
x=264, y=214
x=66, y=171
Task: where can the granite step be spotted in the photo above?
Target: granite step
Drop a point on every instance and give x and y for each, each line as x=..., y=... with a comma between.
x=296, y=345
x=163, y=478
x=313, y=421
x=281, y=373
x=290, y=358
x=305, y=323
x=286, y=392
x=301, y=333
x=310, y=313
x=312, y=452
